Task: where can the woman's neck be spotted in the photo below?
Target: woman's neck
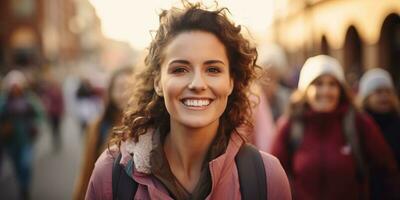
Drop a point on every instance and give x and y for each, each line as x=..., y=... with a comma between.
x=186, y=149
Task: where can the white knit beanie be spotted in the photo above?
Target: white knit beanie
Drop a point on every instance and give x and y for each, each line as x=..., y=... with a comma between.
x=317, y=66
x=272, y=56
x=372, y=80
x=14, y=77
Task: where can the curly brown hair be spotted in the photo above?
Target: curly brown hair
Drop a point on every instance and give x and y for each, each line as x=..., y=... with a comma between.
x=147, y=110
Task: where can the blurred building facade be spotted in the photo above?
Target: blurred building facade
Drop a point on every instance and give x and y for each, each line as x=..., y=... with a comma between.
x=20, y=27
x=34, y=33
x=362, y=34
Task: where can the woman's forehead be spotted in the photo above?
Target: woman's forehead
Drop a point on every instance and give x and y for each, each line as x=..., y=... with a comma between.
x=326, y=77
x=194, y=45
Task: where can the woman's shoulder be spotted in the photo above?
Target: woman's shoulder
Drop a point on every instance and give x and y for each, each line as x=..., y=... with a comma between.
x=284, y=120
x=277, y=181
x=284, y=124
x=100, y=184
x=107, y=157
x=364, y=121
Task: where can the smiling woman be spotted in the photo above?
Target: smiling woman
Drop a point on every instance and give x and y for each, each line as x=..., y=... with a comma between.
x=180, y=136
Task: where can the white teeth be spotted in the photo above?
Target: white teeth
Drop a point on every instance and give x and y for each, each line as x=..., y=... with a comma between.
x=196, y=103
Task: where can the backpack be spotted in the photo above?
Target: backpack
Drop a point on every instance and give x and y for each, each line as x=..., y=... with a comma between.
x=351, y=137
x=252, y=177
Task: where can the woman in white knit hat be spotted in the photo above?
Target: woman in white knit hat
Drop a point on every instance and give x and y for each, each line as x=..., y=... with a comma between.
x=326, y=146
x=377, y=92
x=378, y=98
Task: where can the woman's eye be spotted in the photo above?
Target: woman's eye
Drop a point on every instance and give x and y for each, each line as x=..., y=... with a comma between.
x=332, y=84
x=178, y=70
x=317, y=83
x=214, y=70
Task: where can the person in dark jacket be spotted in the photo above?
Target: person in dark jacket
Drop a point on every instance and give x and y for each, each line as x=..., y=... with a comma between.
x=378, y=98
x=21, y=113
x=50, y=93
x=327, y=147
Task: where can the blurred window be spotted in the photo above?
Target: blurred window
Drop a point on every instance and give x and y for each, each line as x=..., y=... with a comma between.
x=23, y=8
x=24, y=57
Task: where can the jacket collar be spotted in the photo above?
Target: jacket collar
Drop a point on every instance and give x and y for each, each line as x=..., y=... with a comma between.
x=141, y=152
x=221, y=166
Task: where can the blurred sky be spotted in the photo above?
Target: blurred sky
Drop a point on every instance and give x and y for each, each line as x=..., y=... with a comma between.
x=132, y=20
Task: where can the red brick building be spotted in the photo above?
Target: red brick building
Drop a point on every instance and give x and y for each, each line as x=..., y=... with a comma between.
x=38, y=32
x=20, y=33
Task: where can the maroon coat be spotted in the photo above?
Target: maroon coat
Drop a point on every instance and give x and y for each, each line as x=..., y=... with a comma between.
x=323, y=166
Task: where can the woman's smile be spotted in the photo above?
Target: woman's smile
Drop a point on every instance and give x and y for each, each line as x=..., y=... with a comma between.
x=196, y=103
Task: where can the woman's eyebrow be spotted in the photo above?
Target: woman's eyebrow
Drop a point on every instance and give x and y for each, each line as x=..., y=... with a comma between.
x=214, y=62
x=179, y=62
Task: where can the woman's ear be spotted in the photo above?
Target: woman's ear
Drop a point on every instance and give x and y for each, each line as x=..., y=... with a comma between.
x=231, y=85
x=157, y=86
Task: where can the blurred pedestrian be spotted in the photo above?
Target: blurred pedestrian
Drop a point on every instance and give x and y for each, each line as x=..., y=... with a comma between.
x=88, y=103
x=20, y=115
x=328, y=148
x=273, y=61
x=179, y=137
x=377, y=96
x=99, y=132
x=263, y=133
x=51, y=94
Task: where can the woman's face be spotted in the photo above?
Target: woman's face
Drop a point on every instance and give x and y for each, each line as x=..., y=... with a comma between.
x=381, y=100
x=195, y=81
x=323, y=94
x=119, y=92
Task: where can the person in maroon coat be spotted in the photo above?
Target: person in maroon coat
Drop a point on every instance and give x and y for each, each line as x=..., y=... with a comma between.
x=327, y=147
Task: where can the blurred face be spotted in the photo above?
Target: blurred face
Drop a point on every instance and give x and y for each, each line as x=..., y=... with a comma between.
x=381, y=100
x=119, y=92
x=195, y=81
x=323, y=94
x=16, y=90
x=270, y=83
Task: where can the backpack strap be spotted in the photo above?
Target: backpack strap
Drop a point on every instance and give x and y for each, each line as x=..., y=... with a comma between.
x=353, y=139
x=296, y=134
x=123, y=186
x=252, y=177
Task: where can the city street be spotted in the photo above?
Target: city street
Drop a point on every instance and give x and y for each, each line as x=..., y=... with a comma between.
x=315, y=84
x=54, y=173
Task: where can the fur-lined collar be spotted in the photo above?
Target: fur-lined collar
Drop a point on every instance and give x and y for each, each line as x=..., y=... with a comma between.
x=141, y=151
x=147, y=142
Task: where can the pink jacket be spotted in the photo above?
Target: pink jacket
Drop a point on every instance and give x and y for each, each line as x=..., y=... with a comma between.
x=225, y=180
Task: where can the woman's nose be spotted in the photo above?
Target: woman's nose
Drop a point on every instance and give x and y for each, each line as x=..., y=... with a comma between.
x=198, y=82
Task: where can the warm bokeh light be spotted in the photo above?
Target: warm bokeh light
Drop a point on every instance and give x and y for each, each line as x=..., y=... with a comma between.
x=132, y=21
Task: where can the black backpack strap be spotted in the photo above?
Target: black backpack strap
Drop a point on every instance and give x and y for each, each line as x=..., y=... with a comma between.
x=123, y=186
x=353, y=139
x=296, y=134
x=252, y=177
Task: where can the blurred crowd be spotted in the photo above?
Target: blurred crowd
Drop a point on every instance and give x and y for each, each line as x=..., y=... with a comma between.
x=30, y=105
x=329, y=138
